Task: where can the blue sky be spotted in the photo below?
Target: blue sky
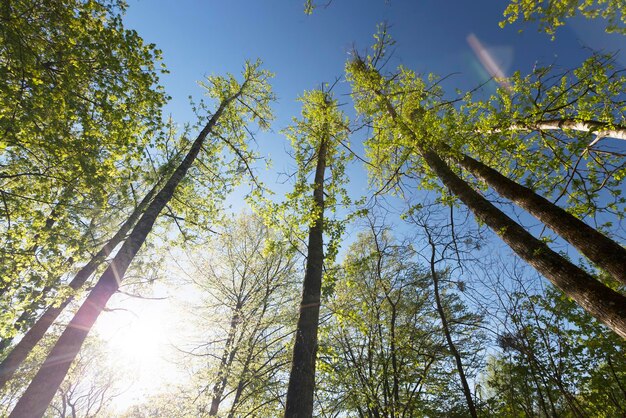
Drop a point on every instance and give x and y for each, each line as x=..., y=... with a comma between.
x=203, y=37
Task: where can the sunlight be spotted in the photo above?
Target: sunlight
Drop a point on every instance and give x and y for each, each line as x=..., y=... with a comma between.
x=140, y=343
x=140, y=335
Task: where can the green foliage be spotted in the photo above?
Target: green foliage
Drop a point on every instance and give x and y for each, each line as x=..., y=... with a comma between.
x=555, y=360
x=504, y=131
x=552, y=14
x=79, y=102
x=321, y=121
x=227, y=159
x=382, y=351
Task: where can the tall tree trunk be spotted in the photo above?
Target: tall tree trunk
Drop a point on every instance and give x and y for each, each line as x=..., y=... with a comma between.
x=600, y=249
x=24, y=347
x=605, y=304
x=446, y=330
x=302, y=377
x=602, y=302
x=40, y=392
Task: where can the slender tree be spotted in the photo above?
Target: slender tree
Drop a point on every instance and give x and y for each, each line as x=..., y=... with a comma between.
x=238, y=101
x=316, y=138
x=445, y=320
x=246, y=276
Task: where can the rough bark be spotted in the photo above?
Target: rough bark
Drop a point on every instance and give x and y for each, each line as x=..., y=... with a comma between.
x=23, y=348
x=601, y=250
x=302, y=377
x=44, y=385
x=605, y=304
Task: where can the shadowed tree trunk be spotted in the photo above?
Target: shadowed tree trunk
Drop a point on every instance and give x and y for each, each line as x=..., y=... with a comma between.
x=302, y=377
x=600, y=249
x=44, y=385
x=23, y=348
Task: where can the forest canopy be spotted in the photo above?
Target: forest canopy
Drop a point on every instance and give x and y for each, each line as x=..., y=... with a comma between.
x=363, y=233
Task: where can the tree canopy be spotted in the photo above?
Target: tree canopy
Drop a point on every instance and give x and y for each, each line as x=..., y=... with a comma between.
x=418, y=245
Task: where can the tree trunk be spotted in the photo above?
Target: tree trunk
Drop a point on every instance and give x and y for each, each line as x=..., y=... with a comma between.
x=600, y=129
x=225, y=363
x=302, y=377
x=24, y=347
x=446, y=330
x=40, y=392
x=601, y=250
x=605, y=304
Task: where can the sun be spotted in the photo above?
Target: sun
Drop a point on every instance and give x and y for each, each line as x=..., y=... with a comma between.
x=140, y=336
x=140, y=343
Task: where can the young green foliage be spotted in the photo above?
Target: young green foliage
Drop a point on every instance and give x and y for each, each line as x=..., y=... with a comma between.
x=552, y=14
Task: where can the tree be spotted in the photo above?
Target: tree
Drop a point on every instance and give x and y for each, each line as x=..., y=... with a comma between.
x=81, y=101
x=247, y=278
x=71, y=73
x=238, y=102
x=405, y=129
x=35, y=333
x=316, y=139
x=90, y=386
x=552, y=357
x=552, y=14
x=438, y=255
x=383, y=352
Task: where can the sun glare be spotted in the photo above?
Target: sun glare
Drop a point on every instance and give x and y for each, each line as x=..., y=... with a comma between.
x=139, y=336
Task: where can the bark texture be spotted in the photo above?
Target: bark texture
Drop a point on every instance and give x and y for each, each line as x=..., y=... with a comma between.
x=605, y=304
x=40, y=392
x=601, y=250
x=302, y=377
